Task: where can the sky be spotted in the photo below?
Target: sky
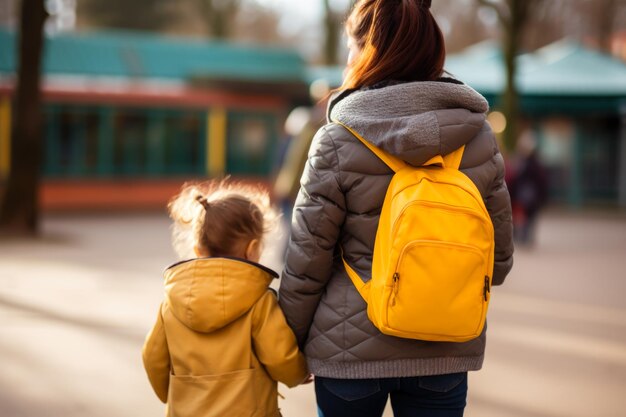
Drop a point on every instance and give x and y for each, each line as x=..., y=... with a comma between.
x=303, y=18
x=296, y=13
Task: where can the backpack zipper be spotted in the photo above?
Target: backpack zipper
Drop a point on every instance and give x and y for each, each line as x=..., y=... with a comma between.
x=396, y=278
x=487, y=289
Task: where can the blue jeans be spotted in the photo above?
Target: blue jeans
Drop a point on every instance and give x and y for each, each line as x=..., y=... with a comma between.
x=428, y=396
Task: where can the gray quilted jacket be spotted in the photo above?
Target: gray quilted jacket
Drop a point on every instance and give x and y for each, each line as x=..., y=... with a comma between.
x=341, y=194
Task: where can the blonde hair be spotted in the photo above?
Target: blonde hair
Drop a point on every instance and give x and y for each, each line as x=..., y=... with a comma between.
x=219, y=217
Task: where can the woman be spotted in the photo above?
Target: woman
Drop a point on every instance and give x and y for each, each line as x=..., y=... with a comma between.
x=397, y=96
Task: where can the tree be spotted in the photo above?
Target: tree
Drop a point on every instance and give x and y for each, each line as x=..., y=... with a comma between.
x=219, y=16
x=605, y=17
x=258, y=24
x=335, y=12
x=215, y=18
x=592, y=22
x=332, y=32
x=461, y=23
x=19, y=205
x=535, y=23
x=513, y=16
x=149, y=15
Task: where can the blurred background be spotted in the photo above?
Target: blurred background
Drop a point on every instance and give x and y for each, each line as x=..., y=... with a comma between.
x=107, y=107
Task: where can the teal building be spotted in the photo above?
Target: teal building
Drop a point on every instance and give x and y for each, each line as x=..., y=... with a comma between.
x=151, y=110
x=574, y=102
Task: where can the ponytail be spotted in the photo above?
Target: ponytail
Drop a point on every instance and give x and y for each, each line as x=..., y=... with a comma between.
x=219, y=217
x=399, y=40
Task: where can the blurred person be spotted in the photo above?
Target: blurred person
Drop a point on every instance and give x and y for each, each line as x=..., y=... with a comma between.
x=221, y=343
x=397, y=96
x=528, y=185
x=300, y=126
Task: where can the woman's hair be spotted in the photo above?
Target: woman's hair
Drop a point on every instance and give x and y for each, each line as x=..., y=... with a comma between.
x=219, y=218
x=398, y=40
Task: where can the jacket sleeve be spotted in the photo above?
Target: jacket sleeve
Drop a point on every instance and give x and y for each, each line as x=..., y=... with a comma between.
x=275, y=344
x=319, y=213
x=498, y=203
x=156, y=358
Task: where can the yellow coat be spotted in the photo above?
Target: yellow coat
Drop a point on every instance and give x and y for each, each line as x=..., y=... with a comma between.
x=221, y=342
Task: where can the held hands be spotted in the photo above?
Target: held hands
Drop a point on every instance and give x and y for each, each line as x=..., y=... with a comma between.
x=309, y=378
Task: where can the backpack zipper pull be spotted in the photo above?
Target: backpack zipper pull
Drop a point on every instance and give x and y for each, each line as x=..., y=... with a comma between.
x=487, y=289
x=396, y=278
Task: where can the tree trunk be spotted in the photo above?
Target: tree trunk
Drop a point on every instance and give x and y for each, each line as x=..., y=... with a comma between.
x=219, y=16
x=331, y=31
x=512, y=38
x=513, y=16
x=519, y=14
x=19, y=210
x=607, y=24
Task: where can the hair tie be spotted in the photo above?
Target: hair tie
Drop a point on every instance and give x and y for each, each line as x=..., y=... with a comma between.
x=202, y=200
x=426, y=3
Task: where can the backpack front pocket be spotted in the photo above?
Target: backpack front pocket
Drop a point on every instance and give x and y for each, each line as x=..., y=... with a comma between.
x=438, y=291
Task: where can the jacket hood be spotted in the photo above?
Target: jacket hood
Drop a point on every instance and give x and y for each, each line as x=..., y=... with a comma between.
x=415, y=120
x=207, y=294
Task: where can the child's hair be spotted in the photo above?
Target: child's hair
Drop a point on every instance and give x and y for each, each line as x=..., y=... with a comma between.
x=219, y=217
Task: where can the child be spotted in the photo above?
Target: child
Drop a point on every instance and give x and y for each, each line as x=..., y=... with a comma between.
x=221, y=342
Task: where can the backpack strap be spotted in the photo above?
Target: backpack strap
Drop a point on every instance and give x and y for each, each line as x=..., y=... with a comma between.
x=393, y=162
x=452, y=160
x=362, y=287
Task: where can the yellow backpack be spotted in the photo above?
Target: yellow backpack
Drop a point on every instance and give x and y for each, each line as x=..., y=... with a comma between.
x=433, y=255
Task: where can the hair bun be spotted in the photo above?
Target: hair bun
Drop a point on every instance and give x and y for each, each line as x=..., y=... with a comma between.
x=202, y=200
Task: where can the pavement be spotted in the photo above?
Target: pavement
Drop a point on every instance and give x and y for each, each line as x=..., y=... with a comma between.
x=76, y=304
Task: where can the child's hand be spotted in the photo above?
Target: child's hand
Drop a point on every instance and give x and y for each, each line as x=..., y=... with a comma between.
x=309, y=378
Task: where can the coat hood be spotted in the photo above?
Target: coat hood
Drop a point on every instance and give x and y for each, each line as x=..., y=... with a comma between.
x=207, y=294
x=415, y=120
